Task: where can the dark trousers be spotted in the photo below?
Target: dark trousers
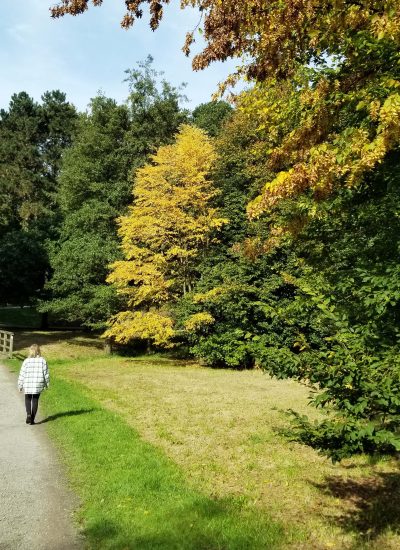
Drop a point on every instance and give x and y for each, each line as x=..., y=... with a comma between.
x=31, y=404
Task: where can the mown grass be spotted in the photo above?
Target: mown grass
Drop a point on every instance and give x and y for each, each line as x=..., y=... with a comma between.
x=218, y=433
x=133, y=496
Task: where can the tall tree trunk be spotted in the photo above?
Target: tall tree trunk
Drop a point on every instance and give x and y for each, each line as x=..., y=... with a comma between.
x=44, y=321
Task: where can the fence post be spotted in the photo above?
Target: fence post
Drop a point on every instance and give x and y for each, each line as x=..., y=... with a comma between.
x=6, y=343
x=11, y=345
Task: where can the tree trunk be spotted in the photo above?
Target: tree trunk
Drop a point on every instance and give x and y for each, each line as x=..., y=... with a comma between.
x=44, y=321
x=107, y=346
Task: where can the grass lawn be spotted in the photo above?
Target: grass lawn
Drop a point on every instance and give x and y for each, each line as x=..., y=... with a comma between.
x=167, y=454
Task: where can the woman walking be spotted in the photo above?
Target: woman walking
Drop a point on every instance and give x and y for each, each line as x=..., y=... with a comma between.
x=33, y=379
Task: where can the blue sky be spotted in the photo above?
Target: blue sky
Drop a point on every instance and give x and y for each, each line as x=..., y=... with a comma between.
x=85, y=54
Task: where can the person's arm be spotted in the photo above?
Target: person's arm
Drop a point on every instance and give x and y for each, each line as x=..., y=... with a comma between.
x=46, y=373
x=21, y=377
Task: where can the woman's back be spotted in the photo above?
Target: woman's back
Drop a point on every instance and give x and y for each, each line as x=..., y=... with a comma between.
x=34, y=374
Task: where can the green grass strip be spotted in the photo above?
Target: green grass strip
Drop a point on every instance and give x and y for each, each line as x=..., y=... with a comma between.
x=133, y=496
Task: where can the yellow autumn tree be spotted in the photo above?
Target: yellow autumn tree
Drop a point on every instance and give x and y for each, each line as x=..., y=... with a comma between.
x=167, y=229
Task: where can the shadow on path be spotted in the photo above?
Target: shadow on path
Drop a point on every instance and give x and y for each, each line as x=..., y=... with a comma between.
x=65, y=413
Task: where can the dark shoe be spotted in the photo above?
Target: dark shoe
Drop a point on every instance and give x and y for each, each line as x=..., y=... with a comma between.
x=29, y=419
x=32, y=422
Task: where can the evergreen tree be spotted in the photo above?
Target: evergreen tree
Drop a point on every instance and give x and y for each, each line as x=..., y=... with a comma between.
x=211, y=116
x=33, y=137
x=95, y=188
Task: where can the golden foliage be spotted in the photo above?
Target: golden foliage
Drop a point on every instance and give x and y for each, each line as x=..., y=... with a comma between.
x=210, y=296
x=129, y=325
x=166, y=229
x=199, y=320
x=348, y=115
x=323, y=159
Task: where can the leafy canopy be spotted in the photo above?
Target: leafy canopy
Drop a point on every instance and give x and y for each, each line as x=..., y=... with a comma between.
x=350, y=104
x=166, y=230
x=274, y=35
x=95, y=189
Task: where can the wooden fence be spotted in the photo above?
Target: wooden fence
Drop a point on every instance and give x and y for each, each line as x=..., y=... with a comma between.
x=6, y=343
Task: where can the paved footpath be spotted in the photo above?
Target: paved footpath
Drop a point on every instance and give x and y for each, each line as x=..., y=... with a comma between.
x=35, y=505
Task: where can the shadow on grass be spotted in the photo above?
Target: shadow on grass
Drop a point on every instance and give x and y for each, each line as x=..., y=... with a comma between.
x=107, y=535
x=19, y=317
x=24, y=338
x=201, y=524
x=65, y=413
x=90, y=341
x=372, y=505
x=76, y=338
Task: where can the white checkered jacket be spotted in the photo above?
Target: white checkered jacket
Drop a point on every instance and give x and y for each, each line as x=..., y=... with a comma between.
x=34, y=375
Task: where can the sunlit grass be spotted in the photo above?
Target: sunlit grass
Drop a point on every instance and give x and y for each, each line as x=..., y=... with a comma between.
x=221, y=429
x=133, y=496
x=224, y=429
